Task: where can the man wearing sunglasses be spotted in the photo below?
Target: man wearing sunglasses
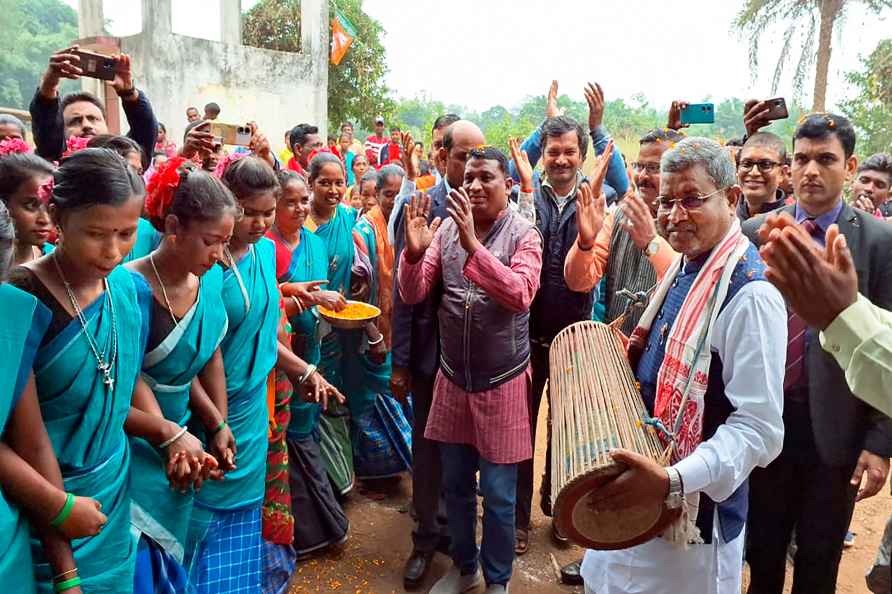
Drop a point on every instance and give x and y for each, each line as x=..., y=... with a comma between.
x=761, y=169
x=708, y=356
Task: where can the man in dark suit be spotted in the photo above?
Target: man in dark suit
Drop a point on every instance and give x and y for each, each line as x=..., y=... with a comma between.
x=836, y=447
x=416, y=358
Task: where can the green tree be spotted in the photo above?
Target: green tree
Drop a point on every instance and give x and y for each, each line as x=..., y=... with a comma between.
x=806, y=22
x=871, y=108
x=356, y=89
x=32, y=31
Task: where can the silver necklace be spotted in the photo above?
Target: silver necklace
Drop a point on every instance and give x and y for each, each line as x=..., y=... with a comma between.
x=105, y=366
x=234, y=267
x=176, y=323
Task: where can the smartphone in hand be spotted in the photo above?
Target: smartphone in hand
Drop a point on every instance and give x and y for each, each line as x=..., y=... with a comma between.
x=777, y=109
x=698, y=113
x=232, y=134
x=96, y=65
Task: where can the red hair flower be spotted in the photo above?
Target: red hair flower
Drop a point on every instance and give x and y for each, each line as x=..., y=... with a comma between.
x=162, y=186
x=45, y=191
x=225, y=162
x=75, y=144
x=11, y=146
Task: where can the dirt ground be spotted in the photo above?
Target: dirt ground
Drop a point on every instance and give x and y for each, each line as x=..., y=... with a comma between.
x=372, y=560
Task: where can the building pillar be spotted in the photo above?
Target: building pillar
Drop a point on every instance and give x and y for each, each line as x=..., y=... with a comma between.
x=231, y=22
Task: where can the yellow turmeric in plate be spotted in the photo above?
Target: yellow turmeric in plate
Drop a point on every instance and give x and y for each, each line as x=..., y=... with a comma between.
x=355, y=310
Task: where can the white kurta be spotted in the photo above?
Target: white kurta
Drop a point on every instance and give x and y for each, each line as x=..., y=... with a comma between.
x=750, y=338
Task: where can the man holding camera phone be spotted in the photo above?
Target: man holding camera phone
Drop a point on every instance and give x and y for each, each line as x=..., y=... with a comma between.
x=55, y=119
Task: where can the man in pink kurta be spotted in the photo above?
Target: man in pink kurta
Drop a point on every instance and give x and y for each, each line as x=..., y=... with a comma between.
x=485, y=262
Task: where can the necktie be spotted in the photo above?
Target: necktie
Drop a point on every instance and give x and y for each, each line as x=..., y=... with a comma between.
x=794, y=374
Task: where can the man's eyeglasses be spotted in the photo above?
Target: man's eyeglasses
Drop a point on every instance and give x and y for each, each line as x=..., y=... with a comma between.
x=651, y=168
x=686, y=203
x=765, y=165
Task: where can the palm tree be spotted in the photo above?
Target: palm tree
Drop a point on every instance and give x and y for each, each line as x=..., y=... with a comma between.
x=805, y=20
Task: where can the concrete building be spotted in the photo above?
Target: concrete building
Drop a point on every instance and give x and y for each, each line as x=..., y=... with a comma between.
x=276, y=89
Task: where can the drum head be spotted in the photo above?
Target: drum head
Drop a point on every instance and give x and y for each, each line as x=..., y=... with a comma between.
x=603, y=529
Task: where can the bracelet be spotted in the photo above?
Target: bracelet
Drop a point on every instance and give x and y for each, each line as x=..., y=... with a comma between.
x=67, y=584
x=63, y=574
x=300, y=308
x=219, y=427
x=377, y=341
x=178, y=435
x=64, y=512
x=311, y=369
x=526, y=190
x=584, y=249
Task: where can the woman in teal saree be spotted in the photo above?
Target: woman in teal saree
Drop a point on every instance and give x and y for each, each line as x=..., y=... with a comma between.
x=188, y=323
x=86, y=371
x=355, y=361
x=29, y=473
x=301, y=257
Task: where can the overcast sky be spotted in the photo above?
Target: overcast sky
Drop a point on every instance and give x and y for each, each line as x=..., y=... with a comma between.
x=480, y=53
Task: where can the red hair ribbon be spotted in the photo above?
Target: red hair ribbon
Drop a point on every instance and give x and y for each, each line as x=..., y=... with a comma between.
x=162, y=186
x=11, y=146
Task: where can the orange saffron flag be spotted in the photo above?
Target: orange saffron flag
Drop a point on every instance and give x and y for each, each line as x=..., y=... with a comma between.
x=342, y=35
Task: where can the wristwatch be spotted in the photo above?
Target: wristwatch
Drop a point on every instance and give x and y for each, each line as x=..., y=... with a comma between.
x=676, y=489
x=652, y=248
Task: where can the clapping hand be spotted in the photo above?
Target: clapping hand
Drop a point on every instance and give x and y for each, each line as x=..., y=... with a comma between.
x=551, y=106
x=459, y=209
x=817, y=284
x=590, y=213
x=639, y=220
x=409, y=158
x=419, y=234
x=522, y=164
x=594, y=96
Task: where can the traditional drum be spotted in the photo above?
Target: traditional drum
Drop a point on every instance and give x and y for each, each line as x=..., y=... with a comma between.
x=595, y=407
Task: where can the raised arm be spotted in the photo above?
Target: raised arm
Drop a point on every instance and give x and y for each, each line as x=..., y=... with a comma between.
x=419, y=266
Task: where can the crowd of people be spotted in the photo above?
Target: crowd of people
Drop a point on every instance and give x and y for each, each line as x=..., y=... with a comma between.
x=177, y=415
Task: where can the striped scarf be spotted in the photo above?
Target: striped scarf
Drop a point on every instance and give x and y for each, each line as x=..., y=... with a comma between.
x=684, y=373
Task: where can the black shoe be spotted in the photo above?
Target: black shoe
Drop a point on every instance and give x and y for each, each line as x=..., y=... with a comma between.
x=558, y=538
x=416, y=569
x=570, y=574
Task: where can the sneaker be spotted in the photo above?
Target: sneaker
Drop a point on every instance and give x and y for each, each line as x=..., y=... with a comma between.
x=455, y=583
x=497, y=589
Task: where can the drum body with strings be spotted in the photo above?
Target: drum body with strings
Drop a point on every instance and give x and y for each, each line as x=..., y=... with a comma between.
x=595, y=407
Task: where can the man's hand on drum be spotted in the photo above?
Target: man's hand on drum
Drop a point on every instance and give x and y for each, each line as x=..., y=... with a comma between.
x=643, y=482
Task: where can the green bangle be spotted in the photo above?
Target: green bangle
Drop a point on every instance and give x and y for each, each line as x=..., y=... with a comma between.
x=219, y=427
x=67, y=584
x=64, y=513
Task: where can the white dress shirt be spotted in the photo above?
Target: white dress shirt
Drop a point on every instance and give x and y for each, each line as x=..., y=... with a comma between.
x=750, y=338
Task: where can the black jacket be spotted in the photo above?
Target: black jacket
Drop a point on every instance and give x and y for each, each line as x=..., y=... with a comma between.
x=843, y=425
x=556, y=306
x=49, y=130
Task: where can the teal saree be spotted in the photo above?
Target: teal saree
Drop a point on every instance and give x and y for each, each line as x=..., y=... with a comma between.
x=158, y=511
x=85, y=422
x=20, y=336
